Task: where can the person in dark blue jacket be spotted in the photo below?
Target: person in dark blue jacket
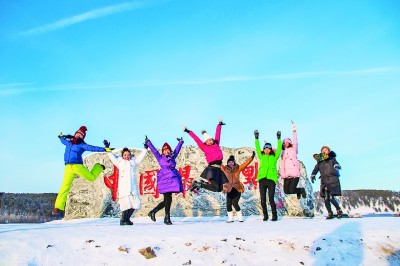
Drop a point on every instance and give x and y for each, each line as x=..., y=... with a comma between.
x=75, y=146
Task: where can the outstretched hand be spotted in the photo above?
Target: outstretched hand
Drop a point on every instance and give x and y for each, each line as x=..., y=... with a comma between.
x=106, y=143
x=256, y=134
x=312, y=179
x=179, y=139
x=220, y=122
x=185, y=129
x=278, y=135
x=293, y=125
x=109, y=149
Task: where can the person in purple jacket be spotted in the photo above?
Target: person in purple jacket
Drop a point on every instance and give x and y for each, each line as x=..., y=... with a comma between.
x=168, y=178
x=75, y=146
x=212, y=177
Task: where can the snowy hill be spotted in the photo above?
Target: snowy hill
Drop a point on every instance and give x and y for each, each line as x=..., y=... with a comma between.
x=204, y=241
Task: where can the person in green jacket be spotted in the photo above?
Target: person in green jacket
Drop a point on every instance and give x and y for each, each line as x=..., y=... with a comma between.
x=268, y=174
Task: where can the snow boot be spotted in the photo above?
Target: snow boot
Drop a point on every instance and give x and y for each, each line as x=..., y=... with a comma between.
x=196, y=185
x=230, y=217
x=330, y=216
x=339, y=213
x=240, y=216
x=152, y=214
x=303, y=193
x=167, y=219
x=274, y=216
x=265, y=218
x=128, y=216
x=56, y=211
x=122, y=221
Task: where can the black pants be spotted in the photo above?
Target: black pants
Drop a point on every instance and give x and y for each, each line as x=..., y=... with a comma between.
x=166, y=203
x=212, y=186
x=290, y=185
x=232, y=199
x=264, y=185
x=330, y=199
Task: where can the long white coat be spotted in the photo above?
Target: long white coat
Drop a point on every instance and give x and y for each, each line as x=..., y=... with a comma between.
x=128, y=192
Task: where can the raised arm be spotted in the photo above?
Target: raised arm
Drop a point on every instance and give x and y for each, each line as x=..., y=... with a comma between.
x=258, y=149
x=197, y=140
x=153, y=149
x=278, y=149
x=218, y=133
x=247, y=162
x=113, y=159
x=141, y=156
x=178, y=147
x=295, y=143
x=88, y=147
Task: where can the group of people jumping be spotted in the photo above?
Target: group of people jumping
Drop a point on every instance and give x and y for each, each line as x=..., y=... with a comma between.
x=216, y=177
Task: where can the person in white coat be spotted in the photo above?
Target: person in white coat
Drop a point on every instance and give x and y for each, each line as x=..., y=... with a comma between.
x=127, y=191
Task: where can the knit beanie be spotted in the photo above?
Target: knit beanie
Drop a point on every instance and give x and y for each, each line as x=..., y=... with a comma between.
x=82, y=130
x=165, y=147
x=231, y=159
x=205, y=135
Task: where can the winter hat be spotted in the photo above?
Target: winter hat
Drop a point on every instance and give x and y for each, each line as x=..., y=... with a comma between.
x=267, y=145
x=82, y=130
x=231, y=159
x=287, y=140
x=205, y=135
x=166, y=147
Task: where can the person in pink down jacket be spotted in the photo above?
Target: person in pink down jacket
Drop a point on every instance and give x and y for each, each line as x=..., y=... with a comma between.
x=289, y=166
x=212, y=177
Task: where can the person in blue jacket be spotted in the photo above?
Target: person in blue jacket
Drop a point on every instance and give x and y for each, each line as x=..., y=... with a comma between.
x=75, y=146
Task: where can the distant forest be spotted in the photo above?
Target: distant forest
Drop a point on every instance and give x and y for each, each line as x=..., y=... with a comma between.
x=26, y=207
x=379, y=200
x=36, y=208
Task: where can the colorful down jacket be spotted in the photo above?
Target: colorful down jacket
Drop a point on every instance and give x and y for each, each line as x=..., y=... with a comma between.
x=73, y=152
x=288, y=164
x=212, y=152
x=127, y=183
x=168, y=178
x=233, y=176
x=268, y=163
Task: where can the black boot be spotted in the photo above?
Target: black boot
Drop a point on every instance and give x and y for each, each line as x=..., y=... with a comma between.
x=303, y=193
x=339, y=213
x=167, y=219
x=152, y=214
x=330, y=216
x=196, y=185
x=265, y=218
x=122, y=221
x=274, y=216
x=128, y=216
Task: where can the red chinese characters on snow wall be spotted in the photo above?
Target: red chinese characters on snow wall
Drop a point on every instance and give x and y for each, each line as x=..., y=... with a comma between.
x=148, y=180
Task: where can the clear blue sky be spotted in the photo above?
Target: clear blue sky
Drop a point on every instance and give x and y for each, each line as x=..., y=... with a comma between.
x=127, y=69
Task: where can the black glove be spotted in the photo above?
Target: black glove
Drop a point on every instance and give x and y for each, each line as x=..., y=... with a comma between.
x=179, y=139
x=145, y=145
x=146, y=138
x=106, y=143
x=253, y=155
x=221, y=123
x=256, y=134
x=278, y=135
x=312, y=179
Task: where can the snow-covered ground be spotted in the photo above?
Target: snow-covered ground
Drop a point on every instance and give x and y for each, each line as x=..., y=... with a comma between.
x=204, y=241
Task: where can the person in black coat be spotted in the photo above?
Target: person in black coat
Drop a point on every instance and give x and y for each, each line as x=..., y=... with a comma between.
x=329, y=175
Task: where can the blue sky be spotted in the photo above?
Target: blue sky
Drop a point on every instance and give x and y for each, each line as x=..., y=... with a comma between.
x=127, y=69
